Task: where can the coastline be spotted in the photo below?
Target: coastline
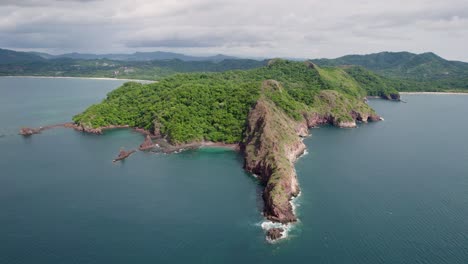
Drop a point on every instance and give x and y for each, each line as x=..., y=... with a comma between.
x=435, y=93
x=71, y=77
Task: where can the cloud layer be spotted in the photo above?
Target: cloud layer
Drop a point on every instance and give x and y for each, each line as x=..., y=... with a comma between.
x=256, y=28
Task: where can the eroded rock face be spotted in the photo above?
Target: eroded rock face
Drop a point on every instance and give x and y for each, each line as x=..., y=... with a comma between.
x=346, y=124
x=315, y=119
x=273, y=142
x=392, y=96
x=147, y=144
x=364, y=117
x=274, y=233
x=271, y=146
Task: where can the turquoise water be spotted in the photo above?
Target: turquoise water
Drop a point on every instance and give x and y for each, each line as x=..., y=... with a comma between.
x=388, y=192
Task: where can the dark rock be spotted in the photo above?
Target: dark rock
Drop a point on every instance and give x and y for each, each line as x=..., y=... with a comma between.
x=147, y=144
x=395, y=97
x=123, y=155
x=392, y=96
x=275, y=233
x=26, y=131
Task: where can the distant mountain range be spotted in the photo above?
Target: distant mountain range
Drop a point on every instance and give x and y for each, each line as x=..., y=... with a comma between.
x=137, y=56
x=10, y=56
x=14, y=57
x=427, y=69
x=425, y=66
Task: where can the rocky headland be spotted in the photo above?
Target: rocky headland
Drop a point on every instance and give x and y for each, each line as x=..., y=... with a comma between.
x=273, y=142
x=264, y=113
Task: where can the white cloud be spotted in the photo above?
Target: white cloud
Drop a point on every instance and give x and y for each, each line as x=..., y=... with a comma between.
x=294, y=28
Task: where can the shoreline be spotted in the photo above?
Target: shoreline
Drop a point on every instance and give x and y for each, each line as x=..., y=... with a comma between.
x=71, y=77
x=434, y=93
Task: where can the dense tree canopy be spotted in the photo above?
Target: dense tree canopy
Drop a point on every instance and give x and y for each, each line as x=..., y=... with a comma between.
x=214, y=106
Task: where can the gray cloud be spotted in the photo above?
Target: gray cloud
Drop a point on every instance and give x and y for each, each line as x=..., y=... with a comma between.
x=294, y=28
x=20, y=3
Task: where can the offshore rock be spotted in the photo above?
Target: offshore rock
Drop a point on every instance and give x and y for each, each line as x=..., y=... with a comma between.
x=26, y=131
x=123, y=155
x=274, y=233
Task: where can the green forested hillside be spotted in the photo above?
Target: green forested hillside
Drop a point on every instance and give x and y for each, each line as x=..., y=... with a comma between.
x=403, y=70
x=11, y=57
x=214, y=106
x=425, y=71
x=147, y=70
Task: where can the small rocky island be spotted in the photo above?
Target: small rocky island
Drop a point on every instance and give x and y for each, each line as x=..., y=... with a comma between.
x=123, y=155
x=264, y=113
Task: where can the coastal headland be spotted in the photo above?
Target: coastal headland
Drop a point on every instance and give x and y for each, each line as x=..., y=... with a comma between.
x=264, y=113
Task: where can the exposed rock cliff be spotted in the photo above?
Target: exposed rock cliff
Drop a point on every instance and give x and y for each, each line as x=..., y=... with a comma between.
x=271, y=146
x=273, y=142
x=392, y=96
x=147, y=144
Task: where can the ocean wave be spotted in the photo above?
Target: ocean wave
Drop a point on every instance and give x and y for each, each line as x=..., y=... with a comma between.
x=304, y=154
x=267, y=224
x=295, y=202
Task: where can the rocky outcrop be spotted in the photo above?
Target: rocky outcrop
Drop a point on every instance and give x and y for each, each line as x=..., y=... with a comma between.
x=123, y=155
x=273, y=142
x=271, y=146
x=392, y=96
x=26, y=131
x=274, y=233
x=91, y=130
x=147, y=144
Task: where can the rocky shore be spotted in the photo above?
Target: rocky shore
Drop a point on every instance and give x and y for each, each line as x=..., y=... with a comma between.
x=90, y=130
x=273, y=142
x=147, y=144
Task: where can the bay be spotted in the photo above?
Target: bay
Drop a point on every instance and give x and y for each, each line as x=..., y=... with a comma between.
x=387, y=192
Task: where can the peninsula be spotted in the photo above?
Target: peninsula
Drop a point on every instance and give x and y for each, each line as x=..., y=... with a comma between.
x=265, y=111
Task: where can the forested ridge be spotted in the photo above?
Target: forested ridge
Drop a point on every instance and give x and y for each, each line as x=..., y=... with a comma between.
x=214, y=106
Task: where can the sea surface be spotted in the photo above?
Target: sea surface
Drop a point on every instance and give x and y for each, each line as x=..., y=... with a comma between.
x=389, y=192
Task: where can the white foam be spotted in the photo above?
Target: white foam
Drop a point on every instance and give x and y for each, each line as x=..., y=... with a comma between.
x=295, y=203
x=267, y=225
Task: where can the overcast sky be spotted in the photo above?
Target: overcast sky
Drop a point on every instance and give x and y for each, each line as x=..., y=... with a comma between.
x=256, y=28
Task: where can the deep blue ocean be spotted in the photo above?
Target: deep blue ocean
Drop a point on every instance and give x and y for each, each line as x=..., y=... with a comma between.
x=389, y=192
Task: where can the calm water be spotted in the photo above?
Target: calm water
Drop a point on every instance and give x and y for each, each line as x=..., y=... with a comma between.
x=389, y=192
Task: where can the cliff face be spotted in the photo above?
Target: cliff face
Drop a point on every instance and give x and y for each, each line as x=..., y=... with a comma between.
x=270, y=147
x=273, y=142
x=340, y=110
